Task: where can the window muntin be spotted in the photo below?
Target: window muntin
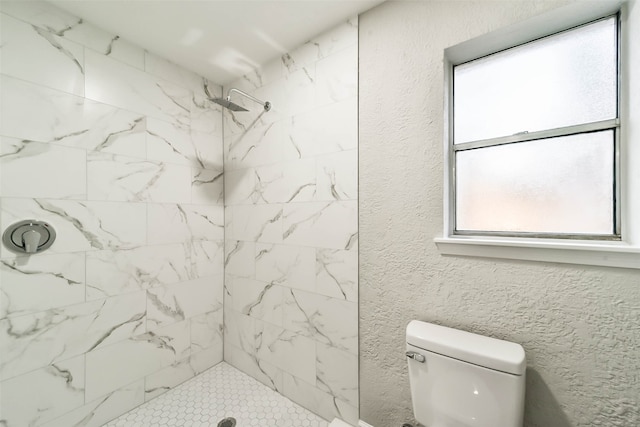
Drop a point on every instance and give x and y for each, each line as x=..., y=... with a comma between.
x=553, y=102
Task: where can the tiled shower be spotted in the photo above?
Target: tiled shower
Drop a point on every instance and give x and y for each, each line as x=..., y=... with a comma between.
x=185, y=235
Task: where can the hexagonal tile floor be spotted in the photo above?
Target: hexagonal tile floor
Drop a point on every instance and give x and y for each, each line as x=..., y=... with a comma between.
x=221, y=392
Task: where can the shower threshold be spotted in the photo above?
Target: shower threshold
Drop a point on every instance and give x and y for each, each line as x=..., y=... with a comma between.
x=219, y=393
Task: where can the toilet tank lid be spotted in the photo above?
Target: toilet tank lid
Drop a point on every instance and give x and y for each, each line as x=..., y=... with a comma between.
x=489, y=352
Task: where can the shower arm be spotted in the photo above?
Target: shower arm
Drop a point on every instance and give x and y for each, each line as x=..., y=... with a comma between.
x=266, y=105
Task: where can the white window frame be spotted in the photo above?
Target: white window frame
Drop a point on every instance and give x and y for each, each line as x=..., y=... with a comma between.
x=623, y=253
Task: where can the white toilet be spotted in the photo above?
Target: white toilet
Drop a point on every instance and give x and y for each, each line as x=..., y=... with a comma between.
x=460, y=379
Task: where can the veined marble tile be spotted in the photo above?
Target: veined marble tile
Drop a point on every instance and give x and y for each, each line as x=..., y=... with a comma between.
x=35, y=169
x=81, y=226
x=114, y=366
x=259, y=77
x=326, y=320
x=174, y=73
x=240, y=331
x=171, y=304
x=119, y=178
x=321, y=224
x=43, y=394
x=262, y=371
x=63, y=24
x=328, y=129
x=171, y=223
x=38, y=55
x=337, y=76
x=286, y=182
x=290, y=266
x=318, y=401
x=256, y=223
x=118, y=84
x=239, y=258
x=337, y=373
x=31, y=284
x=118, y=272
x=167, y=142
x=291, y=352
x=207, y=187
x=329, y=42
x=35, y=340
x=337, y=273
x=167, y=378
x=206, y=330
x=202, y=360
x=206, y=115
x=300, y=90
x=240, y=187
x=255, y=147
x=256, y=299
x=37, y=113
x=103, y=409
x=338, y=176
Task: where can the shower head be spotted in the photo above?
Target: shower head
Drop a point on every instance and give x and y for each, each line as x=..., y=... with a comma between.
x=226, y=102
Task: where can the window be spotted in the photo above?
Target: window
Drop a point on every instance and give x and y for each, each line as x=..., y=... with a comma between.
x=542, y=121
x=534, y=138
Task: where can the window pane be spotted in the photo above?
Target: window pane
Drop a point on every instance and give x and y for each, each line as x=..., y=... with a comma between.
x=557, y=185
x=562, y=80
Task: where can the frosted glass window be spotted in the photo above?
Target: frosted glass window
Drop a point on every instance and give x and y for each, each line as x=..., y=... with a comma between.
x=562, y=80
x=561, y=185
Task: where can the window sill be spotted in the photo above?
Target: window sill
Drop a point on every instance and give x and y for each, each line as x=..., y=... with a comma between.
x=613, y=254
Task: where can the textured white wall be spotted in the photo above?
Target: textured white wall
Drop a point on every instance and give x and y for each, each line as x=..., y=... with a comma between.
x=579, y=325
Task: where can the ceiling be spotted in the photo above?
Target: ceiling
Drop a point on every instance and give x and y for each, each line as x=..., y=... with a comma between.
x=218, y=39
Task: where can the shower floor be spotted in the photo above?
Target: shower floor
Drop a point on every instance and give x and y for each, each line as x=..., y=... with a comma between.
x=220, y=392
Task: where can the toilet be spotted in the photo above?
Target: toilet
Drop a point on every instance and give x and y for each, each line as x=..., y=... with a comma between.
x=460, y=379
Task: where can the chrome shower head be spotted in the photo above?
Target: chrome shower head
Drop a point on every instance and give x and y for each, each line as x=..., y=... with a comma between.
x=228, y=104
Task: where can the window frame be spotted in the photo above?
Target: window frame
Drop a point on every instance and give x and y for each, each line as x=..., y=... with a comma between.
x=610, y=124
x=623, y=251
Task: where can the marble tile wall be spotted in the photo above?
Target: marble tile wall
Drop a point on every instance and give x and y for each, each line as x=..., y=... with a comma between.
x=122, y=153
x=291, y=234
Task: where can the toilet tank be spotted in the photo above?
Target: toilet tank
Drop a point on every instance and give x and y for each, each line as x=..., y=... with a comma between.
x=460, y=379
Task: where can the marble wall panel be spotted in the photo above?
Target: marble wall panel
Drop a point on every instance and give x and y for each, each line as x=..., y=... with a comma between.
x=52, y=61
x=35, y=169
x=127, y=179
x=36, y=113
x=112, y=82
x=122, y=153
x=70, y=27
x=113, y=366
x=31, y=341
x=291, y=226
x=176, y=223
x=98, y=412
x=43, y=394
x=171, y=304
x=116, y=272
x=30, y=284
x=80, y=225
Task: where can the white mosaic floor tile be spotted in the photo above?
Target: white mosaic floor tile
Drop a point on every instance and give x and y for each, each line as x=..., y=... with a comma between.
x=218, y=393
